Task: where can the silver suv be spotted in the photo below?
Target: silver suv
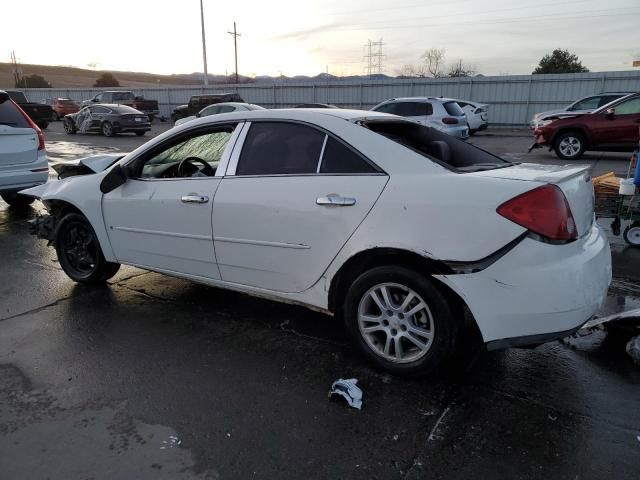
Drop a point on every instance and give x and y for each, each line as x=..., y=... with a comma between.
x=443, y=114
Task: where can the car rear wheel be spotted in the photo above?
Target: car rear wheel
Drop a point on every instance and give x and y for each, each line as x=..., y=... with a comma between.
x=69, y=126
x=631, y=234
x=570, y=145
x=107, y=129
x=43, y=125
x=79, y=252
x=400, y=321
x=16, y=200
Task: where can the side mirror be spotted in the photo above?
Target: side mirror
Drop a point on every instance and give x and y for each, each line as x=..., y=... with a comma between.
x=609, y=113
x=116, y=177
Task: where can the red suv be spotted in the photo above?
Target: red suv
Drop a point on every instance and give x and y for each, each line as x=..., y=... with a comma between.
x=62, y=107
x=612, y=128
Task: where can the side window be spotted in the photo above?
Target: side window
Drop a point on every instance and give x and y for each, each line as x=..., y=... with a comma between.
x=211, y=110
x=338, y=158
x=413, y=109
x=272, y=148
x=202, y=149
x=631, y=107
x=99, y=110
x=607, y=99
x=586, y=104
x=226, y=109
x=386, y=108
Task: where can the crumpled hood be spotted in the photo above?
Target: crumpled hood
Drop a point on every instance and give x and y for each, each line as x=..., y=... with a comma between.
x=86, y=166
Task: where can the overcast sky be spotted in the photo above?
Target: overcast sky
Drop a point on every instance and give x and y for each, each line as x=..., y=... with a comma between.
x=304, y=36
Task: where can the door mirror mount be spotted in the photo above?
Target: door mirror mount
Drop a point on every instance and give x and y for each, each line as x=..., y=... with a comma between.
x=116, y=177
x=609, y=113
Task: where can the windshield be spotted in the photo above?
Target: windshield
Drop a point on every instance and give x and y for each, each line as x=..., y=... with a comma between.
x=122, y=96
x=17, y=97
x=437, y=146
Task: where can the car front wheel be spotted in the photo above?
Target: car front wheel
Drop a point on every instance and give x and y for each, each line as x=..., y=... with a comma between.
x=79, y=252
x=570, y=145
x=400, y=321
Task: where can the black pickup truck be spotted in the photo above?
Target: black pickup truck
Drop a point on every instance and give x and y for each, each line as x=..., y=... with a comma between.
x=198, y=102
x=126, y=97
x=40, y=114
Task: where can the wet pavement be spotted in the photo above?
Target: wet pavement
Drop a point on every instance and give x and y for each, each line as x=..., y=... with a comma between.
x=155, y=377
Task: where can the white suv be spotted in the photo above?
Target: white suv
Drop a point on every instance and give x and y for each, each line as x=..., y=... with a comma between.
x=443, y=114
x=23, y=159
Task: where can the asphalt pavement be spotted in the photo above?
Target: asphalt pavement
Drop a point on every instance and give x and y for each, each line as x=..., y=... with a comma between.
x=152, y=377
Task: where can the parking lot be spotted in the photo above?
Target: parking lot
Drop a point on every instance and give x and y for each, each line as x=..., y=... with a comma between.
x=156, y=377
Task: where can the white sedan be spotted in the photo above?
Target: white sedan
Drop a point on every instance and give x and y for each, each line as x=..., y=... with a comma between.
x=217, y=108
x=396, y=227
x=477, y=115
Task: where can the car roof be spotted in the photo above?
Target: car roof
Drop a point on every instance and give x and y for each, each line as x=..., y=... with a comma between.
x=420, y=99
x=231, y=104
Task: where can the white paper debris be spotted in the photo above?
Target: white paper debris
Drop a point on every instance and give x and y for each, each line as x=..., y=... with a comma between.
x=171, y=443
x=633, y=349
x=348, y=389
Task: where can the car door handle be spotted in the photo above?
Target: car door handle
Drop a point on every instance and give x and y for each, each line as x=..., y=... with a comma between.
x=195, y=198
x=337, y=200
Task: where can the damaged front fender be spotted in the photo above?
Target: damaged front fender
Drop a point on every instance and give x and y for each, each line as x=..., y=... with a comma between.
x=44, y=226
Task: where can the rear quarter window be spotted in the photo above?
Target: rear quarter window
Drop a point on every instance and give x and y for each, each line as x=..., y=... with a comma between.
x=10, y=115
x=453, y=109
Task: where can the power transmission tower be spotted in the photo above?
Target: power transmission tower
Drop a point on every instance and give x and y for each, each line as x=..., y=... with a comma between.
x=16, y=70
x=235, y=46
x=374, y=57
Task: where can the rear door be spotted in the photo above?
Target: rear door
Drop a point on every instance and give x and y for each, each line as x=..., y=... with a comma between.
x=292, y=197
x=18, y=141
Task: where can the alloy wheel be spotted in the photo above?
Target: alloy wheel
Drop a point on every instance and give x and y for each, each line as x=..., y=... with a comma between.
x=396, y=322
x=570, y=146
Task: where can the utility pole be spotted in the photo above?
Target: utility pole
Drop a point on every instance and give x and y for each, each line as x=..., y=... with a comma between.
x=374, y=57
x=17, y=71
x=204, y=46
x=235, y=46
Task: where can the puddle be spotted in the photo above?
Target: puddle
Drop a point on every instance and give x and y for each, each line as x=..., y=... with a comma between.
x=61, y=151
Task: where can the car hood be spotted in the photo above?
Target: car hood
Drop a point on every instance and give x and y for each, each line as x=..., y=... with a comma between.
x=86, y=166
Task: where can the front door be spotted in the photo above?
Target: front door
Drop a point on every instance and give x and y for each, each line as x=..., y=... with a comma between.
x=291, y=201
x=161, y=218
x=622, y=128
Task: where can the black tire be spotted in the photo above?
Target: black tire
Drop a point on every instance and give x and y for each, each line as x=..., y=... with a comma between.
x=16, y=200
x=442, y=323
x=631, y=234
x=107, y=129
x=140, y=134
x=54, y=117
x=151, y=117
x=79, y=252
x=570, y=145
x=69, y=126
x=472, y=132
x=43, y=125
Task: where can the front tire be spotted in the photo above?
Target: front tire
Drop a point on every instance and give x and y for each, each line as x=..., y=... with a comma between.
x=79, y=252
x=570, y=145
x=107, y=129
x=69, y=126
x=16, y=200
x=400, y=321
x=631, y=234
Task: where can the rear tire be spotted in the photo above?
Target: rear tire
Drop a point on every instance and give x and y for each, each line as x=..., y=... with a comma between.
x=410, y=330
x=79, y=252
x=43, y=125
x=16, y=200
x=570, y=145
x=631, y=234
x=107, y=129
x=140, y=134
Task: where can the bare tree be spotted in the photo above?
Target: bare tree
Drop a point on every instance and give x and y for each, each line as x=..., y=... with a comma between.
x=460, y=69
x=409, y=71
x=434, y=62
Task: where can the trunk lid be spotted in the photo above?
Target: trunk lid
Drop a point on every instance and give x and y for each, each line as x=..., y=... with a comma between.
x=574, y=181
x=17, y=145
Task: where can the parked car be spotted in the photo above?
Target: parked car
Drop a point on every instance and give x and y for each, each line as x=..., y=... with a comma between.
x=108, y=119
x=395, y=227
x=23, y=159
x=61, y=107
x=584, y=105
x=198, y=102
x=315, y=105
x=611, y=128
x=443, y=114
x=39, y=113
x=226, y=107
x=126, y=97
x=477, y=115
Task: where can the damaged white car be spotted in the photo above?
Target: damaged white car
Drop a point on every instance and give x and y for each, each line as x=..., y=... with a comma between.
x=410, y=235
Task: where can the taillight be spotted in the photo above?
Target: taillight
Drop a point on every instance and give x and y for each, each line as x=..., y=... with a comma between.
x=543, y=210
x=450, y=121
x=32, y=125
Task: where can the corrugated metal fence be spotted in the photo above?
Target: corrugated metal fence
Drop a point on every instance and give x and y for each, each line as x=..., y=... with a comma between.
x=513, y=99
